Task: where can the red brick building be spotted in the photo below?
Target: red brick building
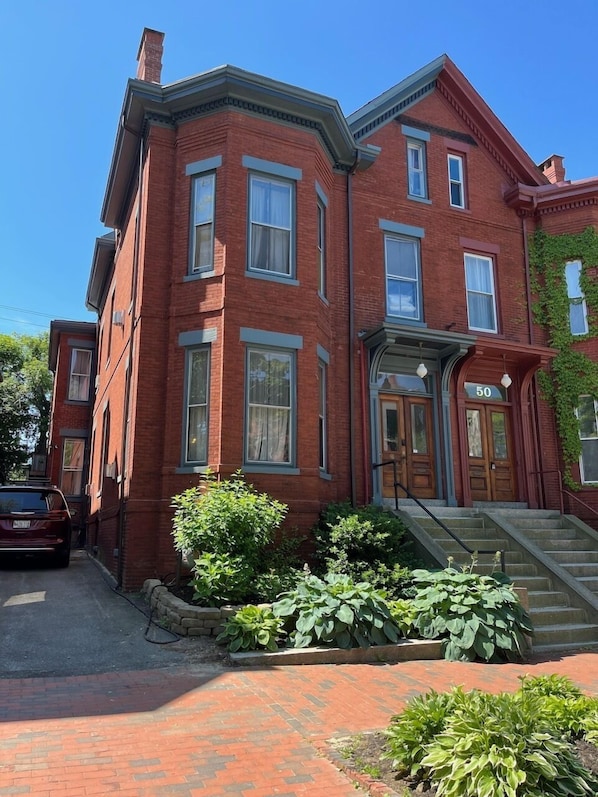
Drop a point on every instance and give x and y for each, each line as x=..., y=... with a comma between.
x=305, y=296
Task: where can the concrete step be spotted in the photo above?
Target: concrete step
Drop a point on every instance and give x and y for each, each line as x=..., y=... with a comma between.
x=543, y=616
x=532, y=583
x=591, y=582
x=573, y=557
x=563, y=544
x=545, y=598
x=536, y=534
x=581, y=570
x=566, y=635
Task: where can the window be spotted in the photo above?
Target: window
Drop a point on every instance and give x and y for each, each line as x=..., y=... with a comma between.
x=578, y=313
x=479, y=283
x=322, y=432
x=321, y=248
x=196, y=436
x=270, y=225
x=456, y=182
x=416, y=169
x=588, y=434
x=80, y=375
x=402, y=277
x=270, y=386
x=202, y=257
x=72, y=465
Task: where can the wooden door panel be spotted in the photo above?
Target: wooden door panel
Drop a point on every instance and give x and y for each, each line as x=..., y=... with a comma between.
x=491, y=466
x=406, y=430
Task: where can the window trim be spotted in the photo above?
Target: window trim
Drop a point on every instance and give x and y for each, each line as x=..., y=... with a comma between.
x=582, y=439
x=74, y=351
x=272, y=465
x=394, y=236
x=266, y=272
x=208, y=269
x=197, y=170
x=577, y=300
x=492, y=262
x=460, y=159
x=63, y=469
x=420, y=147
x=323, y=415
x=189, y=352
x=321, y=246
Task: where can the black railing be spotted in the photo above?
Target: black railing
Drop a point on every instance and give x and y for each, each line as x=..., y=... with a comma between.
x=409, y=494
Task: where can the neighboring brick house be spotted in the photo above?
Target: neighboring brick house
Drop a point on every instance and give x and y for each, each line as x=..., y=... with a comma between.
x=72, y=359
x=304, y=296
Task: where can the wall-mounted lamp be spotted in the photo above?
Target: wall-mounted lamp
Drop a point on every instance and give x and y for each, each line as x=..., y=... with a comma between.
x=505, y=379
x=421, y=369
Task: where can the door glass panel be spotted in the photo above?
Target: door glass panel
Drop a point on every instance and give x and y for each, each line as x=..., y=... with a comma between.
x=474, y=433
x=390, y=431
x=419, y=436
x=499, y=435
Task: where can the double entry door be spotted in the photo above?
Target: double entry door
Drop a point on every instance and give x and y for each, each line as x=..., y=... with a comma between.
x=491, y=462
x=406, y=439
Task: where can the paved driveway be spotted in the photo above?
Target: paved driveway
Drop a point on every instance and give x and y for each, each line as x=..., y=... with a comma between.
x=71, y=622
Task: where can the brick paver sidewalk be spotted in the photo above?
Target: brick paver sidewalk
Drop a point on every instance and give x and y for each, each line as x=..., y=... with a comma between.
x=246, y=733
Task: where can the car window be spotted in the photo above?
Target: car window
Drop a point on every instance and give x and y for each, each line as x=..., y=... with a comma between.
x=29, y=501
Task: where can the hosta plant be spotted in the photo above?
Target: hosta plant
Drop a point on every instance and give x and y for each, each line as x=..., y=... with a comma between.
x=252, y=628
x=479, y=617
x=564, y=706
x=335, y=611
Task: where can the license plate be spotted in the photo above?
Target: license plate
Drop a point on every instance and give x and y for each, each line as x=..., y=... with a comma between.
x=21, y=524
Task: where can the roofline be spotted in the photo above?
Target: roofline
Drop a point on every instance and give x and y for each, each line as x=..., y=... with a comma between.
x=207, y=92
x=62, y=325
x=544, y=198
x=101, y=266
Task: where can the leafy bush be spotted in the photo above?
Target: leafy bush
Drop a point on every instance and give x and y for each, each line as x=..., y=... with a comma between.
x=404, y=614
x=219, y=579
x=502, y=745
x=564, y=706
x=280, y=569
x=252, y=628
x=226, y=517
x=478, y=616
x=335, y=611
x=367, y=543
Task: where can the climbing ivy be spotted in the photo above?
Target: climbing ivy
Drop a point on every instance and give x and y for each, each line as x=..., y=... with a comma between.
x=572, y=372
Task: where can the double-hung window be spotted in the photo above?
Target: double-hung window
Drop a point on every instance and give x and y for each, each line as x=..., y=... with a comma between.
x=456, y=181
x=270, y=390
x=270, y=227
x=322, y=420
x=321, y=210
x=73, y=450
x=80, y=375
x=403, y=293
x=481, y=301
x=196, y=405
x=587, y=415
x=416, y=169
x=578, y=312
x=204, y=191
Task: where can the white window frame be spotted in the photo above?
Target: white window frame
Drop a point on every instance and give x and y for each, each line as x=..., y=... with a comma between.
x=459, y=181
x=252, y=407
x=199, y=221
x=76, y=378
x=416, y=281
x=413, y=171
x=66, y=444
x=289, y=185
x=470, y=292
x=586, y=440
x=322, y=415
x=190, y=353
x=576, y=298
x=321, y=215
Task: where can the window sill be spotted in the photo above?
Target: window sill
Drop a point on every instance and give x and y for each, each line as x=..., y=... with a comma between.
x=460, y=210
x=325, y=475
x=271, y=277
x=192, y=469
x=323, y=299
x=202, y=275
x=271, y=467
x=424, y=200
x=408, y=322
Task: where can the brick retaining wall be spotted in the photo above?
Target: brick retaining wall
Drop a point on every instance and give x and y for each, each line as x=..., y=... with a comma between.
x=181, y=617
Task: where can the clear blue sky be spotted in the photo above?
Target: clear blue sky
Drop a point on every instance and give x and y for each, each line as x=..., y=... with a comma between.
x=65, y=65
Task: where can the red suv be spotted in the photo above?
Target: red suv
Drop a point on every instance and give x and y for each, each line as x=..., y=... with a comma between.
x=35, y=520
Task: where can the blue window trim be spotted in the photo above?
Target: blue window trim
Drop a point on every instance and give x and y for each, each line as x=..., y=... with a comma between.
x=276, y=340
x=272, y=168
x=414, y=132
x=322, y=354
x=206, y=165
x=401, y=229
x=197, y=337
x=193, y=340
x=321, y=194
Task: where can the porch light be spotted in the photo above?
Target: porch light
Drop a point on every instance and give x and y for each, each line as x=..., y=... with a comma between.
x=421, y=369
x=505, y=379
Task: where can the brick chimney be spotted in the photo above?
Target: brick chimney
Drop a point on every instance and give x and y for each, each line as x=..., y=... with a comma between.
x=149, y=57
x=553, y=168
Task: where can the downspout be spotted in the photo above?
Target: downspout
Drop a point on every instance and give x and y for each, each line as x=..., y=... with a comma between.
x=129, y=373
x=351, y=330
x=364, y=441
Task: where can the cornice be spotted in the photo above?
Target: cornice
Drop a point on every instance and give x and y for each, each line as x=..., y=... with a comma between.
x=542, y=200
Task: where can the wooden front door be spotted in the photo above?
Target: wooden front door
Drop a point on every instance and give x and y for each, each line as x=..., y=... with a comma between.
x=406, y=430
x=491, y=465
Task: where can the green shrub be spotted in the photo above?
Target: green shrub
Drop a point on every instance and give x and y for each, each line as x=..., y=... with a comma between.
x=335, y=611
x=367, y=543
x=281, y=567
x=564, y=706
x=219, y=579
x=252, y=628
x=477, y=616
x=404, y=614
x=474, y=743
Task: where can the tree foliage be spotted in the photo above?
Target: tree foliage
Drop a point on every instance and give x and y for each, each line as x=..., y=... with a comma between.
x=25, y=395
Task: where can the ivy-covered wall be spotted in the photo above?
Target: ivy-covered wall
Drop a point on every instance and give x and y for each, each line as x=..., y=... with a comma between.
x=573, y=372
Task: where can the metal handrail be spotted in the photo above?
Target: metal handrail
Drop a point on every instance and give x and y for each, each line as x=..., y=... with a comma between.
x=563, y=492
x=442, y=525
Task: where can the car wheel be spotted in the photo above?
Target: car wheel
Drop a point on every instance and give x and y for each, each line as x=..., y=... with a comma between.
x=62, y=558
